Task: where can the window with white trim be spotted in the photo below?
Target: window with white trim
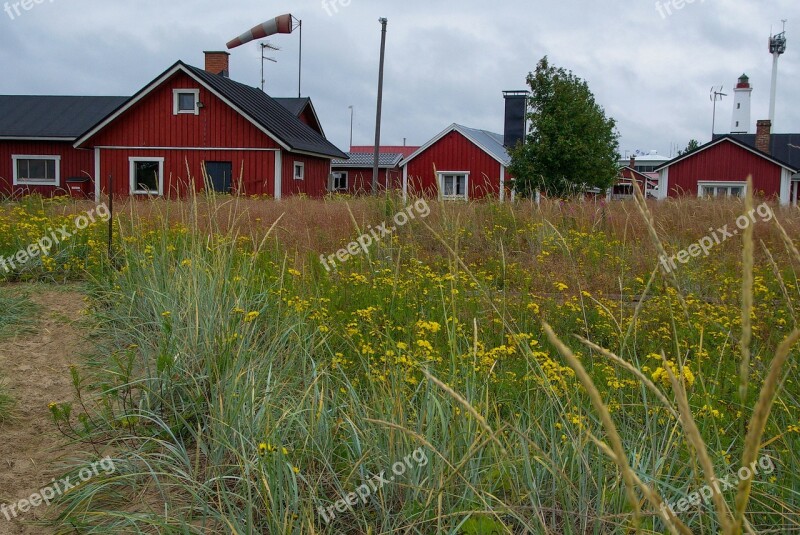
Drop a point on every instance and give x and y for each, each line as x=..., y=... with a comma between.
x=147, y=176
x=299, y=171
x=185, y=101
x=721, y=189
x=454, y=186
x=36, y=170
x=794, y=196
x=340, y=181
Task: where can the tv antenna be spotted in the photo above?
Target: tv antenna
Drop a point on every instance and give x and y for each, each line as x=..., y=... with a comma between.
x=716, y=95
x=777, y=47
x=283, y=24
x=264, y=47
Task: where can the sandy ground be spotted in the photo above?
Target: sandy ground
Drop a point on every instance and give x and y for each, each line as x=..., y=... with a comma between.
x=36, y=370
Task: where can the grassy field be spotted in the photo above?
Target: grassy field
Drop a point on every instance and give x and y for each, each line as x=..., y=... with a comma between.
x=483, y=369
x=16, y=314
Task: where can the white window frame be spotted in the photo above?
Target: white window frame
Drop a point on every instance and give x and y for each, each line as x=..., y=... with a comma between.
x=34, y=182
x=302, y=166
x=444, y=197
x=132, y=161
x=714, y=184
x=176, y=93
x=346, y=176
x=794, y=193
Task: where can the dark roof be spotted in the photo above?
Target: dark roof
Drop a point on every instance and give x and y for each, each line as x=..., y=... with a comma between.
x=268, y=113
x=52, y=116
x=732, y=139
x=365, y=159
x=294, y=105
x=783, y=147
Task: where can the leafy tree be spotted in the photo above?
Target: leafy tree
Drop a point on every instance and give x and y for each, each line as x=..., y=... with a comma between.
x=571, y=145
x=691, y=147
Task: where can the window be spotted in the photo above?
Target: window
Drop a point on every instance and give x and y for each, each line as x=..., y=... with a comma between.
x=147, y=176
x=795, y=193
x=454, y=185
x=299, y=171
x=721, y=189
x=37, y=170
x=340, y=181
x=186, y=101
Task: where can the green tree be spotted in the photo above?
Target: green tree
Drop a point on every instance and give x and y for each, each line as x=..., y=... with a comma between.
x=691, y=147
x=571, y=145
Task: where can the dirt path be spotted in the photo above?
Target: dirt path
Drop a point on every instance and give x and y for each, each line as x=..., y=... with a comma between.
x=36, y=370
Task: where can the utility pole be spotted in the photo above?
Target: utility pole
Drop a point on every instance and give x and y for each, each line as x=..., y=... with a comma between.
x=383, y=22
x=352, y=114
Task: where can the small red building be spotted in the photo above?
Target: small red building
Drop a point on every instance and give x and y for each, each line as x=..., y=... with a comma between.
x=36, y=142
x=721, y=168
x=628, y=175
x=187, y=130
x=460, y=163
x=354, y=175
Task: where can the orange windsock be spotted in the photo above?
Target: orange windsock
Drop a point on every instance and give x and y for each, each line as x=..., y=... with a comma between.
x=282, y=24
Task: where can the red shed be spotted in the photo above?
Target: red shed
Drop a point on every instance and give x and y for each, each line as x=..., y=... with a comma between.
x=623, y=188
x=458, y=164
x=721, y=167
x=354, y=175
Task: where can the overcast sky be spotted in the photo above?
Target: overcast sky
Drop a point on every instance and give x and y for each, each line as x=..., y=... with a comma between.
x=447, y=61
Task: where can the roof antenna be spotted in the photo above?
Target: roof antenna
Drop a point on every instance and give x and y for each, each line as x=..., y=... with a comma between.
x=264, y=47
x=716, y=94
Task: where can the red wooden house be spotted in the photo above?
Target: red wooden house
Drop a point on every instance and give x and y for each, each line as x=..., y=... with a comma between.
x=354, y=175
x=628, y=176
x=460, y=163
x=185, y=125
x=36, y=142
x=720, y=169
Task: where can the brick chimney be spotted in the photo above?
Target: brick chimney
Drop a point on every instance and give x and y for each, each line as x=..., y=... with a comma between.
x=763, y=136
x=633, y=162
x=218, y=63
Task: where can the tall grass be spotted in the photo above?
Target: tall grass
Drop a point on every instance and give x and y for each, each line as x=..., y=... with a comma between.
x=16, y=318
x=240, y=387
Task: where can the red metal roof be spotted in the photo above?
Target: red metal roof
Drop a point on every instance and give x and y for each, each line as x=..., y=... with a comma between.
x=405, y=151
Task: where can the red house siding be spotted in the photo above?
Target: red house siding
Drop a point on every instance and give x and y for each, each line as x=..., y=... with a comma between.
x=308, y=118
x=315, y=183
x=454, y=152
x=253, y=171
x=359, y=179
x=74, y=163
x=725, y=162
x=151, y=123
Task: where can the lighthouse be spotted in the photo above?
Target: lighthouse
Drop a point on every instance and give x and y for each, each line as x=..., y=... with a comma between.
x=742, y=93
